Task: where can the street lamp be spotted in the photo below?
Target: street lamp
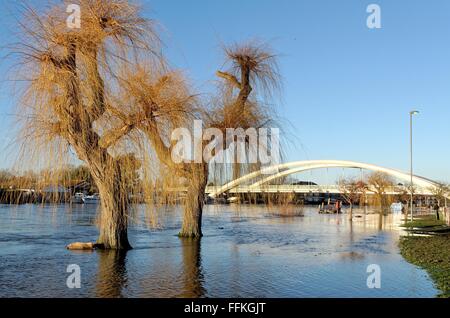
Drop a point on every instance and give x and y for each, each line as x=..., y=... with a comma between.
x=411, y=113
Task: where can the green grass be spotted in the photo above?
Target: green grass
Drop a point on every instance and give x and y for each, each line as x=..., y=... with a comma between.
x=425, y=221
x=433, y=254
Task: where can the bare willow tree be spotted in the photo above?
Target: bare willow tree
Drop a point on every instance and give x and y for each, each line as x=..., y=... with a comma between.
x=441, y=192
x=250, y=82
x=403, y=193
x=164, y=103
x=242, y=103
x=70, y=99
x=351, y=191
x=379, y=183
x=253, y=71
x=103, y=93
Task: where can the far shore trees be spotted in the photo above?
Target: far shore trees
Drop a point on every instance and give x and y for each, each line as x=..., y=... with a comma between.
x=441, y=192
x=69, y=176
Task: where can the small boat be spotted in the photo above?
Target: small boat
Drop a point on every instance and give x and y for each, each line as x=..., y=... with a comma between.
x=233, y=200
x=329, y=209
x=91, y=199
x=78, y=198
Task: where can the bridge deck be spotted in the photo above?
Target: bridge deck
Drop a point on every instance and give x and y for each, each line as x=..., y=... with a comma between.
x=332, y=189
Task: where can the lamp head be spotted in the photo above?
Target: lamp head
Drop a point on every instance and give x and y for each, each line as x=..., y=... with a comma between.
x=414, y=112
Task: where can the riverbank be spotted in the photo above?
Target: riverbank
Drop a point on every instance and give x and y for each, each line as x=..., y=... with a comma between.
x=432, y=253
x=428, y=225
x=32, y=197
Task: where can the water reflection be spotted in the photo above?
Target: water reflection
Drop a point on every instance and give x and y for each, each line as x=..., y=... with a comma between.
x=380, y=221
x=192, y=275
x=112, y=274
x=247, y=251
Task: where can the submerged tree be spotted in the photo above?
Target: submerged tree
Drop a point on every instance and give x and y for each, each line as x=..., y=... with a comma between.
x=379, y=184
x=253, y=71
x=69, y=102
x=242, y=103
x=164, y=104
x=101, y=92
x=351, y=191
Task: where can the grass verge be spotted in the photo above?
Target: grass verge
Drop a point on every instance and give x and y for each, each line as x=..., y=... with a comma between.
x=425, y=221
x=432, y=253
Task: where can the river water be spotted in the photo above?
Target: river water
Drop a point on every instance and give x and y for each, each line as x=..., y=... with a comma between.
x=246, y=251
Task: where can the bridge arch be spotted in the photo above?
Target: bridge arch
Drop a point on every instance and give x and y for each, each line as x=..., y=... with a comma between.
x=285, y=169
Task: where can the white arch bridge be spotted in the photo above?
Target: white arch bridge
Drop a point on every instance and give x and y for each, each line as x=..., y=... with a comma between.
x=259, y=181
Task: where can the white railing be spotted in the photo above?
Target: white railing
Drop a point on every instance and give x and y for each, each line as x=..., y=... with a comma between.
x=305, y=189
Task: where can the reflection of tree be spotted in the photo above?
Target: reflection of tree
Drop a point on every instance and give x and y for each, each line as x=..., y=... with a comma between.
x=380, y=221
x=192, y=268
x=112, y=273
x=351, y=232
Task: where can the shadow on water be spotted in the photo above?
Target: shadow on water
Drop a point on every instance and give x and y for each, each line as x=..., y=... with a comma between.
x=112, y=274
x=192, y=268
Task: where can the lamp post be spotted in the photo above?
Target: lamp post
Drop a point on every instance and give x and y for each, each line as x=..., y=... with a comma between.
x=411, y=113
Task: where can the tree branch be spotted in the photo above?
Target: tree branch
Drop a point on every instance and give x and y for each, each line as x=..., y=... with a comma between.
x=246, y=87
x=111, y=137
x=230, y=78
x=163, y=151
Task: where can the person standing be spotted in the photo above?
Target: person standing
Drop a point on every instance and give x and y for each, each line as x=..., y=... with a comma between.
x=436, y=209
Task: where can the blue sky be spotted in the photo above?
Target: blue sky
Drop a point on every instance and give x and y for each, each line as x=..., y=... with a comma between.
x=347, y=89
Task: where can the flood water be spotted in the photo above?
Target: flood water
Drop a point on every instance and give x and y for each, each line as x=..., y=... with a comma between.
x=246, y=251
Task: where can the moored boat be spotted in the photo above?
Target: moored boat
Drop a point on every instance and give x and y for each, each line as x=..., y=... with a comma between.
x=78, y=198
x=91, y=199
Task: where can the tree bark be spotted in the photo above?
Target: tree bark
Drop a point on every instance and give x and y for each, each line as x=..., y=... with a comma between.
x=113, y=219
x=193, y=207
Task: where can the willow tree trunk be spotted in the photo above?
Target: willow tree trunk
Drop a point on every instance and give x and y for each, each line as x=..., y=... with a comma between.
x=113, y=219
x=193, y=207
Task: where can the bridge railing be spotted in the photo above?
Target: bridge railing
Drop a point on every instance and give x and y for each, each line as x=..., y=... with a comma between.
x=333, y=189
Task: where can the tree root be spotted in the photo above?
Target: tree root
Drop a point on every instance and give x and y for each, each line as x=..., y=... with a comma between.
x=190, y=235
